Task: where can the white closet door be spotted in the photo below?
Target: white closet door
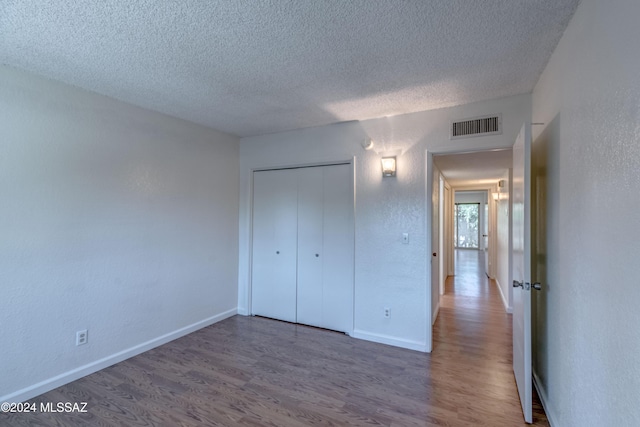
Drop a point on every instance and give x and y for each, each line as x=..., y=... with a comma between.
x=338, y=248
x=274, y=244
x=310, y=248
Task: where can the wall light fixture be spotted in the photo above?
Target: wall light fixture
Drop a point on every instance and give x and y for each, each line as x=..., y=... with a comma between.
x=388, y=166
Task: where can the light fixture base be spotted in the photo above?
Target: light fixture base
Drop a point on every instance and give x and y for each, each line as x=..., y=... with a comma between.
x=367, y=144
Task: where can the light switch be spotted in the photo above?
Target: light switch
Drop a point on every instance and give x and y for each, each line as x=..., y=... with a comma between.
x=405, y=238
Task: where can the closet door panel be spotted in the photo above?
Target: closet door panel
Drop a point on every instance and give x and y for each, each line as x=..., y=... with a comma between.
x=274, y=244
x=338, y=248
x=310, y=250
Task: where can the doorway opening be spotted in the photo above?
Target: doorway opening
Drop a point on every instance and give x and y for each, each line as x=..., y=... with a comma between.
x=518, y=254
x=468, y=194
x=467, y=225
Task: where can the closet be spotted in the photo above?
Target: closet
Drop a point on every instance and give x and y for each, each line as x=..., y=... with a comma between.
x=303, y=239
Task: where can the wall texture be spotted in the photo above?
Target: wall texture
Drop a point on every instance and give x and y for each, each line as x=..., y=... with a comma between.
x=587, y=163
x=114, y=219
x=387, y=273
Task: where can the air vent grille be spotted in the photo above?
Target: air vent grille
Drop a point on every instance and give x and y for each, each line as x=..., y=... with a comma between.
x=479, y=126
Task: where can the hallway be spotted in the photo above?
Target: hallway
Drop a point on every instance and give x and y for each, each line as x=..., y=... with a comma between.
x=472, y=345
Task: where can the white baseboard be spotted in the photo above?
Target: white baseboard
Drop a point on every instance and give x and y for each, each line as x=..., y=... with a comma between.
x=389, y=340
x=542, y=394
x=243, y=311
x=82, y=371
x=508, y=308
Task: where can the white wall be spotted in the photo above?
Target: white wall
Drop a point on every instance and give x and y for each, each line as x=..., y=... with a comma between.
x=387, y=273
x=113, y=218
x=587, y=164
x=469, y=196
x=503, y=264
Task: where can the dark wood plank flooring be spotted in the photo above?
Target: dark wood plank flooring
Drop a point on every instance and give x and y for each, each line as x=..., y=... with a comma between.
x=259, y=372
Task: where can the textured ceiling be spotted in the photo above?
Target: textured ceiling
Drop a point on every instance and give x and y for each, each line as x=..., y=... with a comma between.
x=473, y=169
x=254, y=67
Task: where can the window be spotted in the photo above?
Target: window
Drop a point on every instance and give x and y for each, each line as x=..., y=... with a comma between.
x=466, y=231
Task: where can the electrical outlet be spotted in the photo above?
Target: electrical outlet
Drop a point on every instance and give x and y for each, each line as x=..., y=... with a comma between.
x=82, y=337
x=405, y=238
x=387, y=312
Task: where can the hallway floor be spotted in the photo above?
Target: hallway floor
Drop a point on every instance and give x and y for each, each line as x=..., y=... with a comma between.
x=472, y=344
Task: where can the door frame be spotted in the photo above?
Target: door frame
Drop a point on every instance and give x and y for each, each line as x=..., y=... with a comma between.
x=491, y=220
x=352, y=183
x=442, y=250
x=448, y=231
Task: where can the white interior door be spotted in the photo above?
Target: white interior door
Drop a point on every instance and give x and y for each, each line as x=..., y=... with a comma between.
x=338, y=249
x=275, y=209
x=310, y=245
x=325, y=247
x=303, y=246
x=521, y=234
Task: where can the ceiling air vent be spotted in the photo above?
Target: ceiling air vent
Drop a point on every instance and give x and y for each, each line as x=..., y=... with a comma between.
x=478, y=126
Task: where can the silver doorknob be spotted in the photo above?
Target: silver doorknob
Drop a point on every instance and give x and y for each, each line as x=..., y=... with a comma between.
x=517, y=284
x=537, y=286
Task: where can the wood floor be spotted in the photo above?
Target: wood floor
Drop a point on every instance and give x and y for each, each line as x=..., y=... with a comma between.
x=259, y=372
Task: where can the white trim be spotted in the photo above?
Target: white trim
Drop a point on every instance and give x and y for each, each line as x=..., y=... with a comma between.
x=543, y=399
x=354, y=181
x=389, y=340
x=441, y=239
x=507, y=307
x=428, y=210
x=301, y=165
x=74, y=374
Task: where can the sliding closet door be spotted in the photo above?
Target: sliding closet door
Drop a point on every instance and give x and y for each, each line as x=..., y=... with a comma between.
x=338, y=247
x=310, y=247
x=275, y=214
x=325, y=247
